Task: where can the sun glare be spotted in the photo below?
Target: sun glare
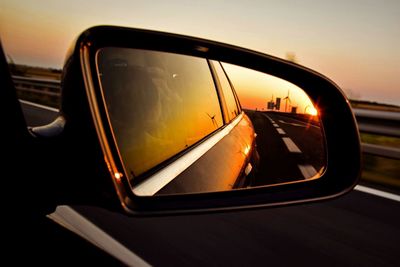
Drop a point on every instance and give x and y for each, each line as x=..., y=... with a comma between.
x=312, y=111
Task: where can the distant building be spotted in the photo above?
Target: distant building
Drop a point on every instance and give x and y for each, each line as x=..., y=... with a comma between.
x=270, y=105
x=294, y=110
x=278, y=103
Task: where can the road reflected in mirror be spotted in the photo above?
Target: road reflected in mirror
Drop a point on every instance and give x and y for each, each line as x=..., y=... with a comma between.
x=289, y=138
x=184, y=124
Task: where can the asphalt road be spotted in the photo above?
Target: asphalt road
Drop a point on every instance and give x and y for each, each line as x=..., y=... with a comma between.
x=289, y=149
x=358, y=229
x=37, y=115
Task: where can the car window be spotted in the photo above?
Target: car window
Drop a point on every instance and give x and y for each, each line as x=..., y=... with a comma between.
x=158, y=103
x=229, y=96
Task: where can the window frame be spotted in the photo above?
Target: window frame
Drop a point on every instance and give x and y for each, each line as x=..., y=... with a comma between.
x=233, y=88
x=217, y=80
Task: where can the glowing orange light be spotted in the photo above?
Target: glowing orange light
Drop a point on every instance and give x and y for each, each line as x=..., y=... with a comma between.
x=312, y=111
x=118, y=176
x=247, y=150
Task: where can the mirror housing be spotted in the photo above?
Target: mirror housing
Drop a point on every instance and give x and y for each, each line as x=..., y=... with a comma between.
x=86, y=123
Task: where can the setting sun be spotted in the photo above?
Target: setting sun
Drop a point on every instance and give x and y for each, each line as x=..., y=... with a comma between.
x=312, y=111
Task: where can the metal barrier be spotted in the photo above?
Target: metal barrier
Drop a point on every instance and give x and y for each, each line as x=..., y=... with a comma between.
x=37, y=86
x=369, y=121
x=380, y=123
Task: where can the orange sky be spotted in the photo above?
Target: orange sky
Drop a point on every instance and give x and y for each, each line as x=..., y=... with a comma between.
x=255, y=89
x=354, y=42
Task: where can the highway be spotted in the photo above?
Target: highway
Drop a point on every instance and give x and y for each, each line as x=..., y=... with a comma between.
x=358, y=229
x=289, y=149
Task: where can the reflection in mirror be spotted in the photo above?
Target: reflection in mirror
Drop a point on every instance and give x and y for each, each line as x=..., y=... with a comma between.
x=185, y=124
x=289, y=138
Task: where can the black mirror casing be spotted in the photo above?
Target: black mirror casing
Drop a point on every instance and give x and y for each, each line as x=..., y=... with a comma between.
x=98, y=169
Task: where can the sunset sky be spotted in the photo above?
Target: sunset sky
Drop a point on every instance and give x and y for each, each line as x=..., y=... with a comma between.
x=355, y=43
x=255, y=89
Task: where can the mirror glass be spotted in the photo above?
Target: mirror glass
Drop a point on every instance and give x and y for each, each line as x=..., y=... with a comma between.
x=185, y=124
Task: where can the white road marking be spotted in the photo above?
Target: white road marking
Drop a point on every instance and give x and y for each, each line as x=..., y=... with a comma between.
x=280, y=131
x=308, y=171
x=38, y=105
x=271, y=120
x=301, y=124
x=293, y=124
x=275, y=125
x=75, y=222
x=377, y=192
x=291, y=146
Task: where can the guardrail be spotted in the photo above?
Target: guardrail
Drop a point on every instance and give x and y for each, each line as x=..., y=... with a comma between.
x=37, y=86
x=380, y=123
x=369, y=121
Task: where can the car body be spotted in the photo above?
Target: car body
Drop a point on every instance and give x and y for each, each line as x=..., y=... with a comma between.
x=178, y=112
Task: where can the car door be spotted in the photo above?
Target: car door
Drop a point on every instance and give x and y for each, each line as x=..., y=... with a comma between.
x=178, y=121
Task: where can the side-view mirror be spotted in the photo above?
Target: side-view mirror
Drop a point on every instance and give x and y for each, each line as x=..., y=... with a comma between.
x=187, y=124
